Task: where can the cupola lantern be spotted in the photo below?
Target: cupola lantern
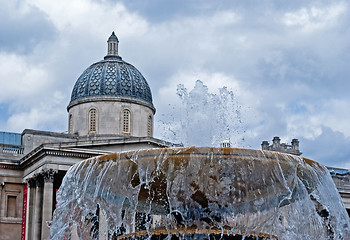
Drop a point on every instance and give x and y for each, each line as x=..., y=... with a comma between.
x=112, y=45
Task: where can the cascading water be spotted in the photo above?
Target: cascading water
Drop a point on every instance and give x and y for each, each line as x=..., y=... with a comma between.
x=199, y=193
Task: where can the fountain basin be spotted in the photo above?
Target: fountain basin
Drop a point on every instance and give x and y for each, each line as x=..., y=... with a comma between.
x=203, y=191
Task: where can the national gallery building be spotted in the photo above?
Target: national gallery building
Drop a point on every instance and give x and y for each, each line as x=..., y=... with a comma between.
x=110, y=110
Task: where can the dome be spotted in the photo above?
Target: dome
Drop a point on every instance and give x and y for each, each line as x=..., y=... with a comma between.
x=111, y=79
x=113, y=37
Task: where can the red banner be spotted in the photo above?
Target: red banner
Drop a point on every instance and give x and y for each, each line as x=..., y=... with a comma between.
x=24, y=212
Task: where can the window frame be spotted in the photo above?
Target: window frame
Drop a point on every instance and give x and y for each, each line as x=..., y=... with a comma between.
x=126, y=125
x=70, y=123
x=18, y=195
x=92, y=126
x=149, y=126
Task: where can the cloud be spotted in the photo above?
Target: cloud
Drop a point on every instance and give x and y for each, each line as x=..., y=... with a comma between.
x=23, y=26
x=20, y=78
x=315, y=18
x=286, y=63
x=330, y=148
x=47, y=115
x=92, y=18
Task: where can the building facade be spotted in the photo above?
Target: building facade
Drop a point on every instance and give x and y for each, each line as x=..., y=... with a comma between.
x=111, y=110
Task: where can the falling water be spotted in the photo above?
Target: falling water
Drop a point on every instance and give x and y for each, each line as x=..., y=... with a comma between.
x=199, y=193
x=203, y=118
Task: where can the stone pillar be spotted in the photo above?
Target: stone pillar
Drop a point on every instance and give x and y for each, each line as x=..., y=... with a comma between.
x=265, y=145
x=276, y=141
x=48, y=176
x=2, y=200
x=38, y=207
x=30, y=211
x=295, y=144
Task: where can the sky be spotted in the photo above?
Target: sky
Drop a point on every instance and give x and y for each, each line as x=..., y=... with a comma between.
x=286, y=62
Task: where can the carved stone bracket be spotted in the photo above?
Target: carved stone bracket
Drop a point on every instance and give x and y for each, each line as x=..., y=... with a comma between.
x=49, y=175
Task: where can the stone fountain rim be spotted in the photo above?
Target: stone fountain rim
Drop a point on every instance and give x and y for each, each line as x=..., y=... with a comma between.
x=225, y=150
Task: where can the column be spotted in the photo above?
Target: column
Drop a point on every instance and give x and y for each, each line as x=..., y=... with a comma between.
x=38, y=207
x=31, y=200
x=47, y=202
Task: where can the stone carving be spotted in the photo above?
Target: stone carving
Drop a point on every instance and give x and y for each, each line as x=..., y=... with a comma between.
x=31, y=183
x=48, y=175
x=38, y=177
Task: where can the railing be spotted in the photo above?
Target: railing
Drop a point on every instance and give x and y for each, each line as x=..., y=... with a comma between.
x=11, y=149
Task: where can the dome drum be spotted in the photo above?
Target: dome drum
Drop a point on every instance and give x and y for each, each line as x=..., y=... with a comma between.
x=108, y=118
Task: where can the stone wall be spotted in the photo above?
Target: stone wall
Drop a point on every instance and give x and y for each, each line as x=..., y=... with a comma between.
x=109, y=118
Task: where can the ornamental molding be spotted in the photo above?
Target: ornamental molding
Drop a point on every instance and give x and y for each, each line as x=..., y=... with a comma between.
x=42, y=177
x=49, y=175
x=31, y=183
x=111, y=99
x=38, y=178
x=42, y=152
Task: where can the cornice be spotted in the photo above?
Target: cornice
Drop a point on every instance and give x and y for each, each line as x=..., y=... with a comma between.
x=111, y=99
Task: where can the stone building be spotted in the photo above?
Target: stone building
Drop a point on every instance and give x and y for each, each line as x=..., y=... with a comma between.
x=110, y=110
x=341, y=177
x=282, y=147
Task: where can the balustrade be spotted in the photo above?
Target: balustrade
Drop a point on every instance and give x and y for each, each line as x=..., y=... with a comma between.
x=11, y=149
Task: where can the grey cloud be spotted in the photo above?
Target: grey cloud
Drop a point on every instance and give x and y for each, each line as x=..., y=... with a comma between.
x=288, y=70
x=21, y=30
x=330, y=148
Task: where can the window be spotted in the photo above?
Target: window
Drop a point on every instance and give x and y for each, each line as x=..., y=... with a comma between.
x=70, y=124
x=126, y=121
x=113, y=46
x=149, y=126
x=11, y=206
x=92, y=120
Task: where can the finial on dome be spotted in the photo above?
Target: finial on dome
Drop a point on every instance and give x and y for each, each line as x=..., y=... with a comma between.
x=112, y=44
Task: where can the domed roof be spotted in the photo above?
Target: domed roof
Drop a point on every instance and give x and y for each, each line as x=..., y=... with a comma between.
x=113, y=37
x=111, y=77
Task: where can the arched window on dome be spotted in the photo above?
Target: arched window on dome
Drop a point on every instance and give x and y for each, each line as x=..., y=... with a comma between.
x=149, y=126
x=92, y=120
x=70, y=124
x=126, y=121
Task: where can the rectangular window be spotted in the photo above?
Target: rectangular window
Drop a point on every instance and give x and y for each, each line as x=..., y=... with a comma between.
x=11, y=206
x=126, y=121
x=92, y=120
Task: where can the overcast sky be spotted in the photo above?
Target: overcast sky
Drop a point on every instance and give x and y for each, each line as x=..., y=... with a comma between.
x=287, y=62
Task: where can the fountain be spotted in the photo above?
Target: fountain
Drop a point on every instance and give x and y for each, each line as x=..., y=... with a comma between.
x=202, y=118
x=199, y=193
